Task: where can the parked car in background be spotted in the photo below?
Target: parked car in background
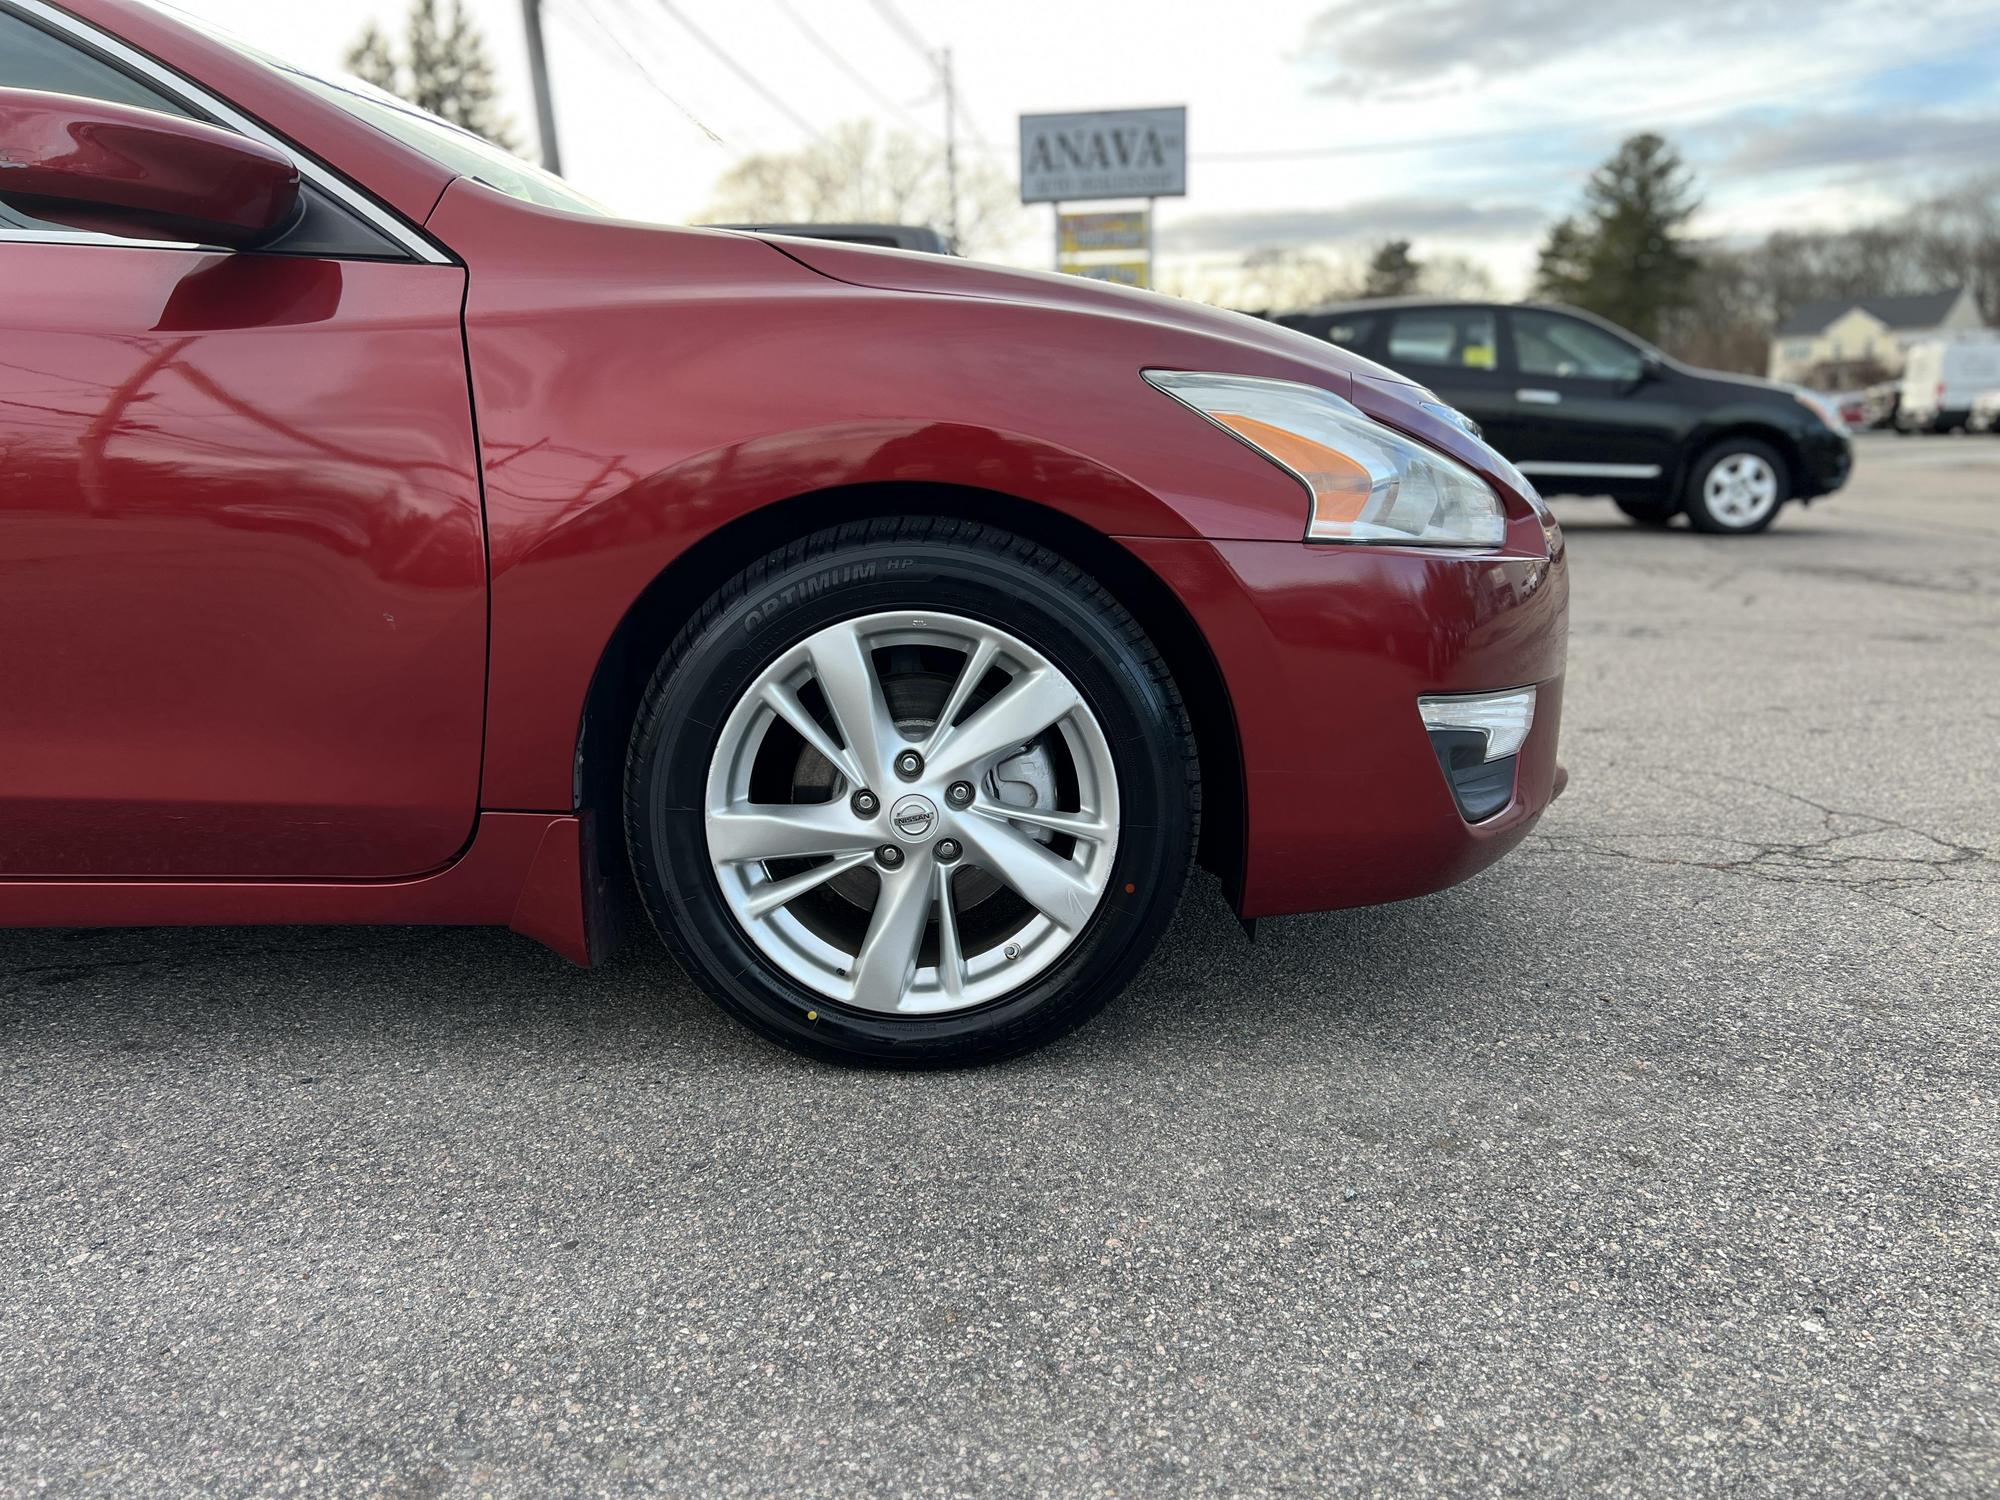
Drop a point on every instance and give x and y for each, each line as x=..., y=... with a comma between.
x=394, y=536
x=1943, y=376
x=883, y=236
x=1879, y=404
x=1985, y=415
x=1852, y=406
x=1583, y=407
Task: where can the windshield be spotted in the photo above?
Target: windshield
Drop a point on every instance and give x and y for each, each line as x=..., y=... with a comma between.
x=443, y=142
x=440, y=140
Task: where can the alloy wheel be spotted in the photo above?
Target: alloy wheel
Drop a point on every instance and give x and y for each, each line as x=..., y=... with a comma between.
x=912, y=814
x=1741, y=490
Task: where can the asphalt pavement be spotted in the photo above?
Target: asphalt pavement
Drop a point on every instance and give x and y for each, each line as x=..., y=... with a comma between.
x=1659, y=1160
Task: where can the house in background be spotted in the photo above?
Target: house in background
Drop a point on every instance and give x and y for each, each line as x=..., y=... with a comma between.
x=1852, y=342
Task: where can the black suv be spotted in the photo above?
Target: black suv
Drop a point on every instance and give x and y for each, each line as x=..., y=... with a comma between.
x=1584, y=408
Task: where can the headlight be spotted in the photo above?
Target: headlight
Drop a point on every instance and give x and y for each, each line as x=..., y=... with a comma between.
x=1367, y=483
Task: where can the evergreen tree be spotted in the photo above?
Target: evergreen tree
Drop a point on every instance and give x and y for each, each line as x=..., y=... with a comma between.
x=1623, y=257
x=444, y=69
x=1392, y=271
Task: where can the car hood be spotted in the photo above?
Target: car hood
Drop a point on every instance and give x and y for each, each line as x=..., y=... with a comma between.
x=1730, y=384
x=905, y=271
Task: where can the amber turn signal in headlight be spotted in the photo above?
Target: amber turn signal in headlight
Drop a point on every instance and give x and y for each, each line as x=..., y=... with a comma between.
x=1367, y=483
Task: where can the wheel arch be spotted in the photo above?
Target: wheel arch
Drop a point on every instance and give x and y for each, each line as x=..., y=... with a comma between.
x=670, y=600
x=1768, y=433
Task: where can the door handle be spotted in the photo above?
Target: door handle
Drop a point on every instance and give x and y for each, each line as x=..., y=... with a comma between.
x=1539, y=397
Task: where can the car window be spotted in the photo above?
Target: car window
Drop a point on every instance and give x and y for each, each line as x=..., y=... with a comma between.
x=447, y=144
x=1551, y=344
x=1349, y=332
x=1459, y=337
x=30, y=58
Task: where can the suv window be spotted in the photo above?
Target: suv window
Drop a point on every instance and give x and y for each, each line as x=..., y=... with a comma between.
x=1462, y=337
x=1349, y=331
x=1551, y=344
x=30, y=58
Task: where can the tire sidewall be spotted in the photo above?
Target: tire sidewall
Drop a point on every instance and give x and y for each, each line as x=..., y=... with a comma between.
x=1696, y=505
x=672, y=751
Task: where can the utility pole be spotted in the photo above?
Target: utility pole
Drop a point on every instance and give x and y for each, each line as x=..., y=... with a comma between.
x=950, y=141
x=538, y=68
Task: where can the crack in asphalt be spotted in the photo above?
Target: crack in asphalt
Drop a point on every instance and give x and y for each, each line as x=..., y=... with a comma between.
x=1816, y=861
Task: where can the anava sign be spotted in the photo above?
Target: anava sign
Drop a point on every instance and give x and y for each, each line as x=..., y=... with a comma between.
x=1118, y=153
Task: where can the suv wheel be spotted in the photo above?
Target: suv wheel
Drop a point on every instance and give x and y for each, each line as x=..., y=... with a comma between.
x=1737, y=487
x=912, y=791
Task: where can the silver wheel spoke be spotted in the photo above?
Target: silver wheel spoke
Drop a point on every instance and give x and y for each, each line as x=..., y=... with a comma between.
x=1033, y=701
x=846, y=676
x=785, y=704
x=786, y=830
x=1054, y=887
x=951, y=958
x=768, y=897
x=978, y=662
x=882, y=968
x=1086, y=826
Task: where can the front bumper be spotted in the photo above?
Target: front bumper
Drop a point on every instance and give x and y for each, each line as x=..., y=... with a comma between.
x=1829, y=459
x=1326, y=650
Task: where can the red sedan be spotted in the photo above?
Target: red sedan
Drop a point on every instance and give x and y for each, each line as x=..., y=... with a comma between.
x=388, y=535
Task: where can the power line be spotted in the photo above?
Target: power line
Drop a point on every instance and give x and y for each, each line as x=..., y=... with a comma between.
x=859, y=80
x=900, y=24
x=914, y=40
x=749, y=79
x=643, y=71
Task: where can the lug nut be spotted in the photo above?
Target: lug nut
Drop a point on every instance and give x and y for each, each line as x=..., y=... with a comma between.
x=909, y=765
x=865, y=804
x=948, y=851
x=889, y=857
x=959, y=794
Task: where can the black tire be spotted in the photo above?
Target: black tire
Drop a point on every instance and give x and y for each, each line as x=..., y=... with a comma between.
x=1649, y=512
x=1694, y=501
x=909, y=562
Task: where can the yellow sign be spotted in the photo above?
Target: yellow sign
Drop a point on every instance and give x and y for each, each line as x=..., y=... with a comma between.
x=1118, y=272
x=1112, y=231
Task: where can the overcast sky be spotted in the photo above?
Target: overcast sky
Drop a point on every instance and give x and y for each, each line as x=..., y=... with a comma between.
x=1465, y=124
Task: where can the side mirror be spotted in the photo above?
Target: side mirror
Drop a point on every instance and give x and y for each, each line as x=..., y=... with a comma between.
x=113, y=169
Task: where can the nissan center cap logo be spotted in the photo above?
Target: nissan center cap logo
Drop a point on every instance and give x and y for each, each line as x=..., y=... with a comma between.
x=914, y=818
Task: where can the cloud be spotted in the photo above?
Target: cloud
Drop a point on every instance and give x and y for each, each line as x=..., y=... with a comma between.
x=1370, y=48
x=1374, y=219
x=1862, y=138
x=1379, y=45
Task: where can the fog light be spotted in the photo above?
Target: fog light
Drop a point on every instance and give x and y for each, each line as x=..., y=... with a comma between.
x=1477, y=737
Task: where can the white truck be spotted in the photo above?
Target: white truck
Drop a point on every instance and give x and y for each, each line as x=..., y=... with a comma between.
x=1943, y=376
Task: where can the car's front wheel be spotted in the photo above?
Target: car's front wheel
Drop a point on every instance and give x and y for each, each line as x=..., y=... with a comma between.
x=912, y=791
x=1737, y=487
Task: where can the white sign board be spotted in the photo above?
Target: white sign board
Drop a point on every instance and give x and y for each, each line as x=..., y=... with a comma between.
x=1117, y=153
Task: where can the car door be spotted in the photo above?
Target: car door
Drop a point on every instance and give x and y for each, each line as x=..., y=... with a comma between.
x=1454, y=350
x=242, y=567
x=1589, y=414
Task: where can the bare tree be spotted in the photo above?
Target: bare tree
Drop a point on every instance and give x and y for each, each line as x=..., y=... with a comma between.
x=1457, y=276
x=855, y=173
x=1286, y=280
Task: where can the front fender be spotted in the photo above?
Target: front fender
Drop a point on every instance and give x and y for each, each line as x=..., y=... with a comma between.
x=638, y=388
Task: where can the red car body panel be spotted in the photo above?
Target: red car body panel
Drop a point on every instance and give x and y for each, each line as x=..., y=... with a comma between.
x=241, y=557
x=637, y=390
